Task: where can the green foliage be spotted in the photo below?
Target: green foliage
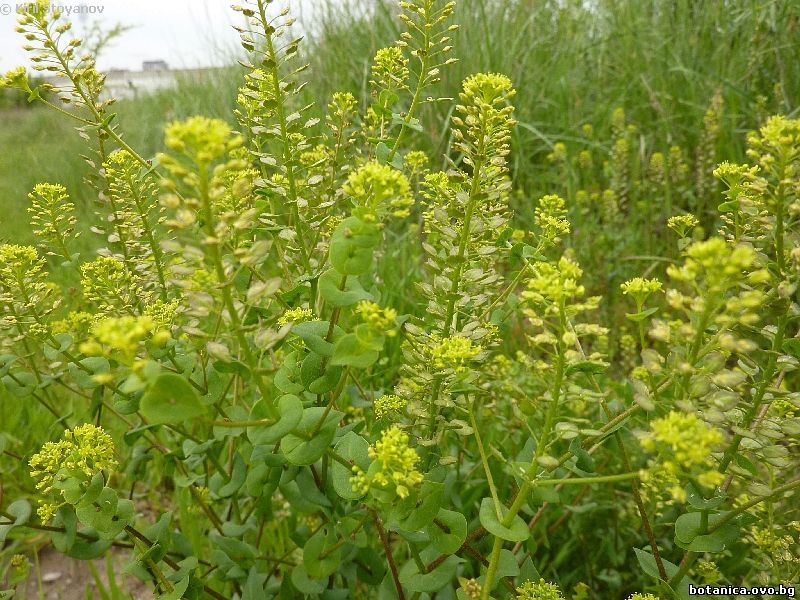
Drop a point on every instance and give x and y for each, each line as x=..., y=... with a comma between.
x=239, y=358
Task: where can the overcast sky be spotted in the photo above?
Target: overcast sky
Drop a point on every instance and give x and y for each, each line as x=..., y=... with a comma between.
x=182, y=32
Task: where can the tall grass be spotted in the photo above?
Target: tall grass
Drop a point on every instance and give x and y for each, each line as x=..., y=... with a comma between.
x=574, y=61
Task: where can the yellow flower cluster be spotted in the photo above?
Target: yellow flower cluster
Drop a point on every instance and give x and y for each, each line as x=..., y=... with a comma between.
x=722, y=265
x=489, y=88
x=682, y=224
x=18, y=261
x=685, y=444
x=296, y=315
x=416, y=160
x=550, y=217
x=120, y=337
x=640, y=289
x=539, y=590
x=554, y=283
x=778, y=547
x=162, y=312
x=77, y=322
x=390, y=68
x=378, y=188
x=709, y=572
x=81, y=452
x=388, y=404
x=380, y=320
x=107, y=282
x=394, y=465
x=52, y=215
x=454, y=353
x=15, y=78
x=639, y=596
x=202, y=139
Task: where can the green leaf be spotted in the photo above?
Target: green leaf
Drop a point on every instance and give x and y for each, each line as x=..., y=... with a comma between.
x=320, y=556
x=99, y=514
x=236, y=481
x=290, y=409
x=585, y=461
x=448, y=531
x=349, y=351
x=507, y=565
x=648, y=564
x=305, y=449
x=586, y=366
x=317, y=375
x=688, y=533
x=414, y=581
x=171, y=400
x=95, y=365
x=330, y=288
x=792, y=347
x=122, y=518
x=517, y=532
x=177, y=591
x=351, y=447
x=425, y=506
x=313, y=333
x=21, y=511
x=382, y=152
x=352, y=245
x=641, y=316
x=304, y=584
x=288, y=376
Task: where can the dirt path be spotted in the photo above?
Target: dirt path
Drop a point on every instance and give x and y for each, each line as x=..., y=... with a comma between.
x=65, y=578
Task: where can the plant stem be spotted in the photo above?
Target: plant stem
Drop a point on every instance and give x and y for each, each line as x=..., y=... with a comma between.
x=227, y=297
x=388, y=551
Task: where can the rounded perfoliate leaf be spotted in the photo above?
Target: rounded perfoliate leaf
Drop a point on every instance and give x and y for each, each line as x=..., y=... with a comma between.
x=442, y=575
x=171, y=400
x=290, y=408
x=349, y=351
x=448, y=531
x=354, y=448
x=21, y=511
x=321, y=557
x=331, y=290
x=352, y=246
x=518, y=530
x=315, y=432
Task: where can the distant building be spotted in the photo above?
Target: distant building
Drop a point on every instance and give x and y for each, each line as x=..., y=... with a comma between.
x=155, y=65
x=155, y=75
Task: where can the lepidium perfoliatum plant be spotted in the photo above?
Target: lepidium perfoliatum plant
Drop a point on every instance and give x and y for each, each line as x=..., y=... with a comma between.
x=308, y=360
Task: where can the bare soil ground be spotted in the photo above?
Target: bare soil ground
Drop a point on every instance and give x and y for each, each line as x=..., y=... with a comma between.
x=64, y=578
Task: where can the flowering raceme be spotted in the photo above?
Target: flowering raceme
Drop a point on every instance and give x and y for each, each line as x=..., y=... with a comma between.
x=685, y=445
x=539, y=590
x=393, y=465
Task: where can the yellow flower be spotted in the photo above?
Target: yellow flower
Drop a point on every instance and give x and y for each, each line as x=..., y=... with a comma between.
x=120, y=337
x=377, y=189
x=387, y=404
x=380, y=320
x=201, y=139
x=81, y=452
x=454, y=353
x=390, y=68
x=296, y=315
x=640, y=289
x=394, y=465
x=539, y=590
x=681, y=224
x=685, y=444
